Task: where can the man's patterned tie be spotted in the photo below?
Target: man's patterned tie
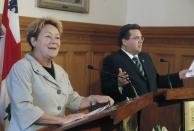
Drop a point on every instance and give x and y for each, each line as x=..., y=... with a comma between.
x=139, y=65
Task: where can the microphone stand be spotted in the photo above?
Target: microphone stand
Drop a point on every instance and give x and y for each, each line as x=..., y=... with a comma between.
x=168, y=77
x=91, y=67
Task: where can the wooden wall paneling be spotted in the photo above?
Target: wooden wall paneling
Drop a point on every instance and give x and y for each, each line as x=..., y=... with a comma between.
x=95, y=75
x=99, y=52
x=79, y=73
x=92, y=35
x=62, y=59
x=177, y=60
x=162, y=67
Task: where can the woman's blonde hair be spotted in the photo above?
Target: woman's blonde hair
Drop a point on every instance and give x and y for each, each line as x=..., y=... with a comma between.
x=36, y=26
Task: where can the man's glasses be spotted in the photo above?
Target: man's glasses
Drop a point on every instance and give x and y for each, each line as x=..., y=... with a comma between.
x=137, y=38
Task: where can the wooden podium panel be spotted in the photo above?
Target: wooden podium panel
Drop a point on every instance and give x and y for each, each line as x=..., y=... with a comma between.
x=107, y=120
x=132, y=107
x=165, y=115
x=98, y=122
x=179, y=94
x=166, y=110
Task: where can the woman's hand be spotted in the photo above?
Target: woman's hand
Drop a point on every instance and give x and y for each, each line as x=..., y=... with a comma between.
x=72, y=117
x=100, y=99
x=94, y=99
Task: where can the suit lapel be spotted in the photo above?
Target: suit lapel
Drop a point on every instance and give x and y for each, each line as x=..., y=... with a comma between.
x=39, y=69
x=131, y=63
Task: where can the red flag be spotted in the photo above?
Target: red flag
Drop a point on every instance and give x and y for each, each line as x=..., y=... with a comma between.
x=10, y=47
x=11, y=40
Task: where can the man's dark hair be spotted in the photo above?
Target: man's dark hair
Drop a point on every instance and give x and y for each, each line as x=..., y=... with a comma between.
x=124, y=32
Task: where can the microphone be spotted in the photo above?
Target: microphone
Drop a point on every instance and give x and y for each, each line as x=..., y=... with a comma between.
x=91, y=67
x=168, y=77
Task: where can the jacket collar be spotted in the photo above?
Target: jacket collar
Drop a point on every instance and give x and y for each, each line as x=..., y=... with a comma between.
x=39, y=69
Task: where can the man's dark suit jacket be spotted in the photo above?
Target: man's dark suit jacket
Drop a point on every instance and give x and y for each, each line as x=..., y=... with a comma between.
x=120, y=59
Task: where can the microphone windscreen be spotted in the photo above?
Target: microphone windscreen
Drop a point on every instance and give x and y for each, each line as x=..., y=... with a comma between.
x=163, y=60
x=90, y=66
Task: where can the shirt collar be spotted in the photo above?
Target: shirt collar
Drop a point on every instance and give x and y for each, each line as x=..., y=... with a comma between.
x=129, y=54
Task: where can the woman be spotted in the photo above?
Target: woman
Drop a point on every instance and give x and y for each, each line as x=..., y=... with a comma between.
x=38, y=88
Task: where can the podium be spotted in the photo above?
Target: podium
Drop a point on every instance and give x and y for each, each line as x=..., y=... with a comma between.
x=166, y=109
x=106, y=120
x=161, y=108
x=179, y=94
x=131, y=107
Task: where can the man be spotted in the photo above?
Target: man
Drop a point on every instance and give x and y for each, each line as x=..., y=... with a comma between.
x=136, y=74
x=135, y=71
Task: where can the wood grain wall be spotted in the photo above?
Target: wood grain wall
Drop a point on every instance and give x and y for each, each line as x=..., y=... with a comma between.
x=175, y=44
